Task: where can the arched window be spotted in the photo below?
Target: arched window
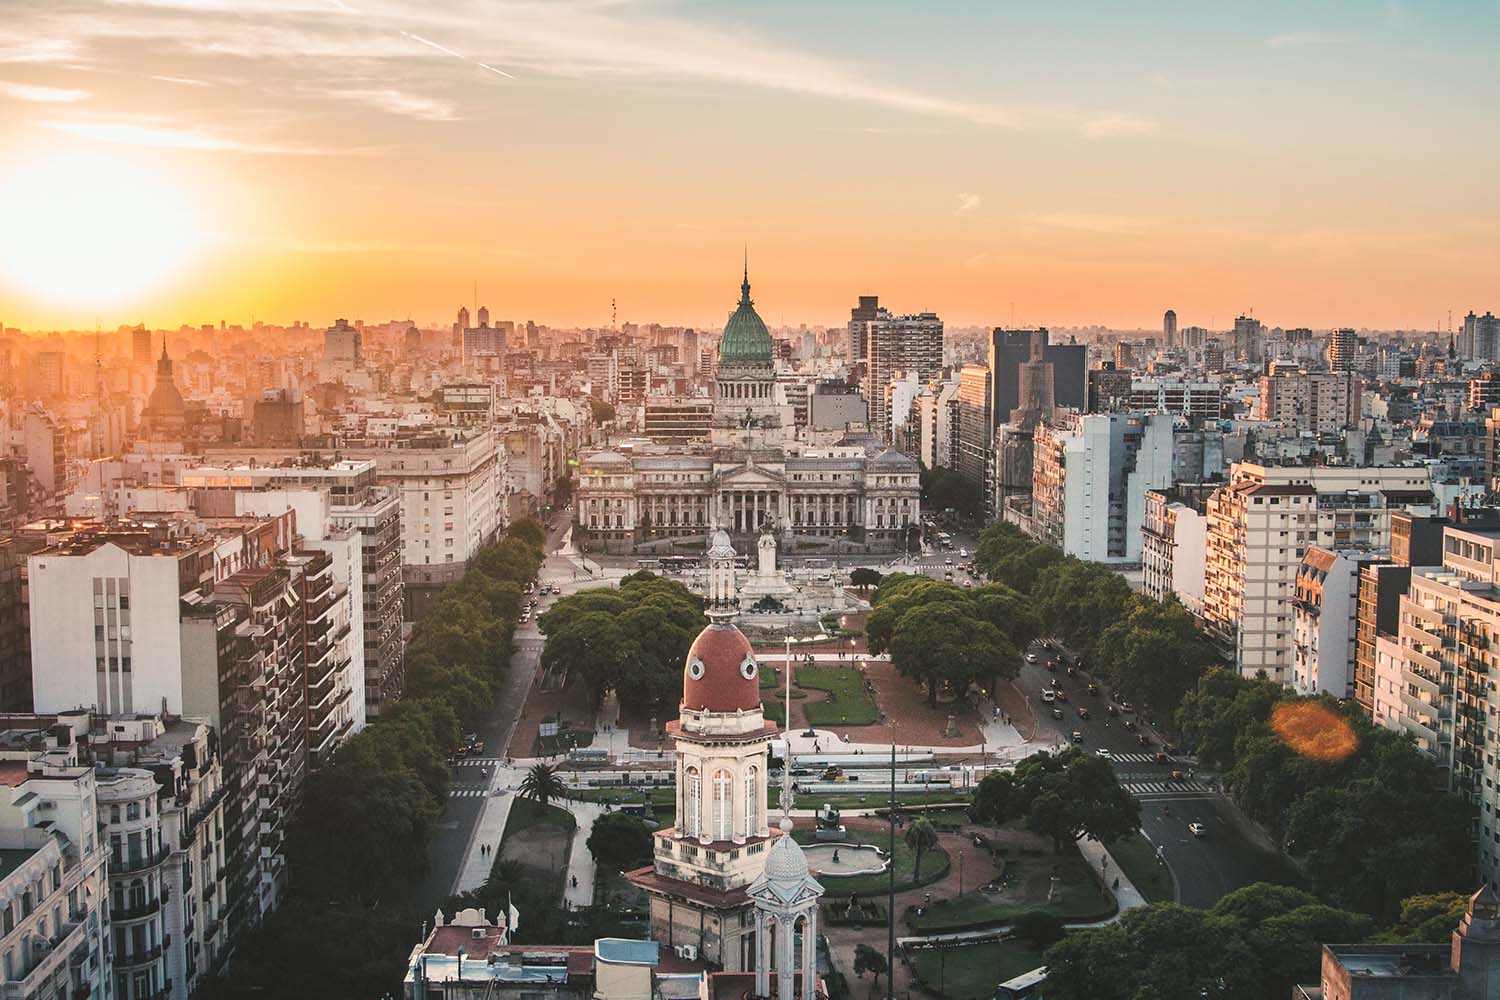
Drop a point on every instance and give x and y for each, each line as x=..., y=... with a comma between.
x=692, y=803
x=752, y=802
x=723, y=806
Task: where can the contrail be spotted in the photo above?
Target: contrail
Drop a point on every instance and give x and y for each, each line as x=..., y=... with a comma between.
x=340, y=5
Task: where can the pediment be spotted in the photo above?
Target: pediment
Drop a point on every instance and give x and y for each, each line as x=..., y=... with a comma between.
x=746, y=477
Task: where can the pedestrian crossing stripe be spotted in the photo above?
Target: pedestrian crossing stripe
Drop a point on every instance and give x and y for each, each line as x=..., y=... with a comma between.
x=455, y=793
x=1161, y=787
x=477, y=760
x=1141, y=758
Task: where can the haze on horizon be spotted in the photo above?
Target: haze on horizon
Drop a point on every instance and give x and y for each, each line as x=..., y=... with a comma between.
x=194, y=160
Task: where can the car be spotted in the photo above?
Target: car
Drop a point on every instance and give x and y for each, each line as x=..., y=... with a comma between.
x=1170, y=748
x=964, y=553
x=947, y=562
x=1111, y=710
x=1130, y=725
x=1077, y=736
x=1126, y=706
x=1083, y=713
x=1102, y=752
x=1072, y=670
x=1062, y=695
x=1178, y=776
x=1052, y=665
x=1094, y=690
x=1033, y=659
x=1160, y=757
x=1048, y=694
x=1198, y=829
x=1143, y=739
x=478, y=747
x=1057, y=713
x=1054, y=683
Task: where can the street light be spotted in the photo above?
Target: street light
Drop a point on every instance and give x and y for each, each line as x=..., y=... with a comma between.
x=960, y=873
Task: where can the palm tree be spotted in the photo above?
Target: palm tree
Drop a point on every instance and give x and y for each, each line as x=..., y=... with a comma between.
x=542, y=784
x=920, y=836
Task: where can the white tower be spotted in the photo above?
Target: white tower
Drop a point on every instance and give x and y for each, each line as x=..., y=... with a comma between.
x=786, y=894
x=723, y=599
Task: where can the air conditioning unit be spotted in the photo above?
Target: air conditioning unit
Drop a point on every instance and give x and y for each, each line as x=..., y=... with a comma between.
x=478, y=934
x=690, y=952
x=46, y=804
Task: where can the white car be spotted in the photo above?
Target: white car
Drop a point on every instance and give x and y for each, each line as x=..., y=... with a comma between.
x=1048, y=694
x=1198, y=829
x=1102, y=752
x=1033, y=659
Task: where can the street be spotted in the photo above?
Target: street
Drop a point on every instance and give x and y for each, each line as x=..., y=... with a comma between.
x=1203, y=868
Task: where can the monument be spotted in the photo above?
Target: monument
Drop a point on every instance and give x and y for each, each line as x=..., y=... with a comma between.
x=768, y=581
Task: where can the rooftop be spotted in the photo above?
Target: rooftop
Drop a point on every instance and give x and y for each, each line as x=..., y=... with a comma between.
x=12, y=858
x=1393, y=960
x=624, y=951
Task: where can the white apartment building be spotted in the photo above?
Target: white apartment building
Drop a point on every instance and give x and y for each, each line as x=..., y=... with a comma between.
x=1324, y=611
x=1199, y=399
x=1320, y=402
x=1263, y=522
x=935, y=415
x=1090, y=474
x=1174, y=540
x=54, y=926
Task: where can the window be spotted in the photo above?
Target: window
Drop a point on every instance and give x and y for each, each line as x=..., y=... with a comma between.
x=692, y=802
x=752, y=802
x=723, y=806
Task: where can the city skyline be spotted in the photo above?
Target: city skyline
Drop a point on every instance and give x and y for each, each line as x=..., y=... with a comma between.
x=184, y=161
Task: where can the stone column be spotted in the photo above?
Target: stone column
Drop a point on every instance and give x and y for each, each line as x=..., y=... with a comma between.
x=809, y=953
x=762, y=954
x=786, y=961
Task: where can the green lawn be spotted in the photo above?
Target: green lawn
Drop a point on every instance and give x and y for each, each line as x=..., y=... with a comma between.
x=1138, y=858
x=848, y=703
x=775, y=711
x=525, y=813
x=1078, y=898
x=567, y=739
x=972, y=971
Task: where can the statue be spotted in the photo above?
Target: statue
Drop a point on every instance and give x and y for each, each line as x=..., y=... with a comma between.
x=767, y=549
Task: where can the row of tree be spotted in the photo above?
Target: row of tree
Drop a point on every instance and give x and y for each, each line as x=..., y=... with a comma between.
x=632, y=640
x=1369, y=823
x=1062, y=796
x=1258, y=941
x=360, y=837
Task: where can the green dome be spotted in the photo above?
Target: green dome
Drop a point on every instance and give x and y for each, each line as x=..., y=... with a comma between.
x=746, y=339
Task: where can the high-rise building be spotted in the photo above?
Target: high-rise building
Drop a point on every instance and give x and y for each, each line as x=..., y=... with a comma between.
x=1320, y=402
x=140, y=345
x=1324, y=616
x=343, y=350
x=859, y=316
x=1480, y=340
x=974, y=432
x=1263, y=522
x=1248, y=345
x=1343, y=347
x=1169, y=328
x=911, y=344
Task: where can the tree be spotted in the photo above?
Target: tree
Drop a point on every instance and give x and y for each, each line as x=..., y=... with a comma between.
x=1078, y=601
x=528, y=530
x=1429, y=917
x=620, y=841
x=1157, y=653
x=867, y=959
x=1064, y=796
x=542, y=784
x=601, y=411
x=921, y=837
x=864, y=577
x=1039, y=929
x=994, y=798
x=945, y=643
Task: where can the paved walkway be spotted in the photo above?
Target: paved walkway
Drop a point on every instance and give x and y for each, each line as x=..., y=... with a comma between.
x=488, y=831
x=580, y=861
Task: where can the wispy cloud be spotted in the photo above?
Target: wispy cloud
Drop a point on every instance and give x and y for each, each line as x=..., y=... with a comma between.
x=159, y=137
x=185, y=81
x=611, y=42
x=23, y=48
x=41, y=95
x=1093, y=222
x=398, y=102
x=966, y=203
x=1297, y=39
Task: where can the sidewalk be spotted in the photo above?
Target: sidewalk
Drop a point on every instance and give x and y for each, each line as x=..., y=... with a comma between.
x=1097, y=855
x=580, y=861
x=489, y=830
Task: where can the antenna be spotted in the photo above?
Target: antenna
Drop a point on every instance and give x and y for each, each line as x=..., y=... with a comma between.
x=614, y=319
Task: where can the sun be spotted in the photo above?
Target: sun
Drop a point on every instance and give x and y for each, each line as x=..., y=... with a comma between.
x=91, y=230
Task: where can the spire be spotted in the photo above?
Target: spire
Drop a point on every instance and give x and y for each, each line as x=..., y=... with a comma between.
x=745, y=284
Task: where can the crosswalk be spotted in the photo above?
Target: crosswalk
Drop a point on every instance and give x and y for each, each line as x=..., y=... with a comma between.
x=1163, y=787
x=460, y=793
x=478, y=760
x=1141, y=758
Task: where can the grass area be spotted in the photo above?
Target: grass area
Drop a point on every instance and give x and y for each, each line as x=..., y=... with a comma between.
x=972, y=971
x=774, y=711
x=526, y=813
x=849, y=704
x=565, y=740
x=1078, y=898
x=1137, y=858
x=770, y=677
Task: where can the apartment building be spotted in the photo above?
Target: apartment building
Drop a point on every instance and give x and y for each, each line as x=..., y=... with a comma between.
x=1324, y=612
x=910, y=344
x=1320, y=402
x=1174, y=540
x=1262, y=523
x=1090, y=475
x=937, y=409
x=54, y=926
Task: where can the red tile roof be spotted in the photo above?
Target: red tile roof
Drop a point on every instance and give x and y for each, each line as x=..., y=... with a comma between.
x=723, y=686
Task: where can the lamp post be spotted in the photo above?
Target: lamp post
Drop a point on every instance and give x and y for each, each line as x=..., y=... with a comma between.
x=960, y=873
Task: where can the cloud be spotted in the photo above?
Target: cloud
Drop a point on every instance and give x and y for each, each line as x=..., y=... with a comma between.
x=158, y=137
x=41, y=95
x=966, y=203
x=1093, y=222
x=1298, y=39
x=399, y=102
x=395, y=42
x=185, y=81
x=21, y=48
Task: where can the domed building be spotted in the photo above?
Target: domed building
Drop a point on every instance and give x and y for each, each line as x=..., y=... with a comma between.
x=164, y=417
x=745, y=391
x=704, y=866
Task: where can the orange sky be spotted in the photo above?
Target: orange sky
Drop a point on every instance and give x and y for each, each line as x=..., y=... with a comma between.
x=196, y=160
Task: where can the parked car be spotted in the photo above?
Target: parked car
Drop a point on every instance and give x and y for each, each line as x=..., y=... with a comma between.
x=1083, y=713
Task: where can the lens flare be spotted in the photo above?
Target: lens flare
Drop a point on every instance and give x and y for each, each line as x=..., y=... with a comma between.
x=1314, y=730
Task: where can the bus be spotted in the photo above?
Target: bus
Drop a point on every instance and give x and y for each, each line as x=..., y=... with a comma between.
x=1026, y=986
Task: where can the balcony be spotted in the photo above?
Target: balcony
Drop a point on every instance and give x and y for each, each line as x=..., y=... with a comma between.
x=126, y=865
x=47, y=959
x=137, y=959
x=147, y=909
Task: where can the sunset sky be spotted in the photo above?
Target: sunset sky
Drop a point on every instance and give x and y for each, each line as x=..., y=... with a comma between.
x=195, y=160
